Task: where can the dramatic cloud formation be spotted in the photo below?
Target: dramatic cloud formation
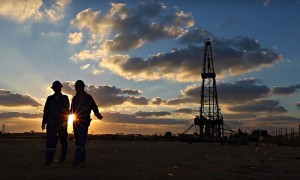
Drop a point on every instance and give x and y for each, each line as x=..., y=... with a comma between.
x=133, y=26
x=107, y=96
x=36, y=10
x=233, y=56
x=7, y=98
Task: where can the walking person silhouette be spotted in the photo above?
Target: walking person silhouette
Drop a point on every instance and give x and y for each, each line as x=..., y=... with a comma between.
x=81, y=106
x=55, y=120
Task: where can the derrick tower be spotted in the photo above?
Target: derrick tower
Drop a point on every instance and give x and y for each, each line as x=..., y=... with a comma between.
x=210, y=120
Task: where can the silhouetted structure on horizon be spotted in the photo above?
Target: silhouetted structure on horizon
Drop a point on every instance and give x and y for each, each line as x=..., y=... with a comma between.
x=209, y=122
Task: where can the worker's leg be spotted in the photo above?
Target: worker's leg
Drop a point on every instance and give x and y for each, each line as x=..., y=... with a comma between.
x=63, y=138
x=81, y=134
x=51, y=141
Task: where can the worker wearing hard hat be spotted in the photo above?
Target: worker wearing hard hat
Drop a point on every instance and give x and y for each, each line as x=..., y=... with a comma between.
x=81, y=107
x=55, y=120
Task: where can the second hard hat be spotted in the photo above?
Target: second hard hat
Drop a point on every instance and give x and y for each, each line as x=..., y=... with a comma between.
x=79, y=83
x=56, y=84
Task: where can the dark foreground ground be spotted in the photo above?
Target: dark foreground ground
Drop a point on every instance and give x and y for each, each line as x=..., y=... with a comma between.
x=112, y=159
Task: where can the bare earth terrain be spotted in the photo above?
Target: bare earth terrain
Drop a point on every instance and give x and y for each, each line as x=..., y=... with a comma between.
x=113, y=159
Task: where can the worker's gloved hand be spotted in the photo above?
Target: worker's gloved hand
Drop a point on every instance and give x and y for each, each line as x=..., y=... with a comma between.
x=99, y=116
x=43, y=126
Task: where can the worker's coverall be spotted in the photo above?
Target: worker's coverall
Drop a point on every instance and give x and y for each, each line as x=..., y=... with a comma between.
x=56, y=112
x=81, y=106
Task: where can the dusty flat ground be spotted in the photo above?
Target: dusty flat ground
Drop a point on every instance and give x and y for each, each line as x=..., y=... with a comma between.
x=112, y=159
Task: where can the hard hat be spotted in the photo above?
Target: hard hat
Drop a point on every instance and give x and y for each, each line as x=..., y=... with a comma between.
x=79, y=83
x=56, y=84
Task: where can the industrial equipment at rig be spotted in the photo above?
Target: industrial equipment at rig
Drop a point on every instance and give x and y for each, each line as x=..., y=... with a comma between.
x=209, y=122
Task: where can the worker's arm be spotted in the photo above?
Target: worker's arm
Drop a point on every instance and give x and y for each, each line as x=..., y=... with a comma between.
x=95, y=109
x=46, y=114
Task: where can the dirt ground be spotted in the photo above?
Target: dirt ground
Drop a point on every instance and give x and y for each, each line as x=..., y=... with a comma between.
x=114, y=159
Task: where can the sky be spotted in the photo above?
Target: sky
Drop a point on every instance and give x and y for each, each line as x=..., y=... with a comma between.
x=141, y=61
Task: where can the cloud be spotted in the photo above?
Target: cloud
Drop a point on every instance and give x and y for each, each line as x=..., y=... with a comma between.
x=157, y=101
x=152, y=113
x=107, y=96
x=231, y=21
x=13, y=115
x=137, y=100
x=298, y=105
x=278, y=119
x=7, y=98
x=75, y=38
x=228, y=93
x=179, y=65
x=51, y=34
x=232, y=57
x=130, y=27
x=241, y=91
x=132, y=119
x=194, y=36
x=266, y=2
x=279, y=90
x=33, y=10
x=184, y=111
x=84, y=67
x=259, y=106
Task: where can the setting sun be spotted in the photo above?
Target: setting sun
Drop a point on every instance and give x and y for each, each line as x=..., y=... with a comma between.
x=71, y=118
x=70, y=122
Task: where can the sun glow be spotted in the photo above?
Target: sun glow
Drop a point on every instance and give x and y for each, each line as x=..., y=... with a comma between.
x=70, y=122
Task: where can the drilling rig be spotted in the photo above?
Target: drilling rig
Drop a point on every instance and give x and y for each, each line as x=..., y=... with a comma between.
x=209, y=122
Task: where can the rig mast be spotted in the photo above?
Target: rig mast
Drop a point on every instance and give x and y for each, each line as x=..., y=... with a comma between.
x=210, y=120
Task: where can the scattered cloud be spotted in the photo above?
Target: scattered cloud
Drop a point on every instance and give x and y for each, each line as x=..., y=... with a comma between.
x=157, y=101
x=230, y=93
x=14, y=115
x=132, y=119
x=33, y=10
x=279, y=119
x=266, y=2
x=75, y=38
x=259, y=106
x=280, y=90
x=51, y=34
x=9, y=99
x=84, y=67
x=184, y=111
x=231, y=21
x=152, y=113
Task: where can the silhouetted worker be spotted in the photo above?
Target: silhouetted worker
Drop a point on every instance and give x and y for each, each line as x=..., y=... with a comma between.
x=56, y=112
x=82, y=104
